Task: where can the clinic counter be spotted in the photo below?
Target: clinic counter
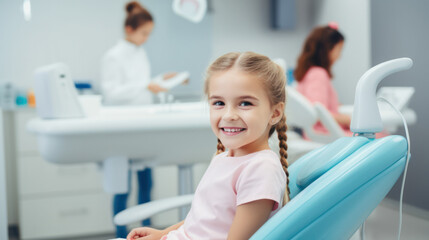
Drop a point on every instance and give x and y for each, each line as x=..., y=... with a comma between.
x=150, y=132
x=126, y=119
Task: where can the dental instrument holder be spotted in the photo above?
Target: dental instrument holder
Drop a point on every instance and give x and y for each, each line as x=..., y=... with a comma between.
x=55, y=93
x=366, y=120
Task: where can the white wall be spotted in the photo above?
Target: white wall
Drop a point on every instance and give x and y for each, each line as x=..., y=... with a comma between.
x=353, y=18
x=244, y=25
x=79, y=32
x=75, y=32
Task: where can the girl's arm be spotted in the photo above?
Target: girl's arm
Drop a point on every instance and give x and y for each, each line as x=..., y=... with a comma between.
x=249, y=218
x=151, y=233
x=174, y=227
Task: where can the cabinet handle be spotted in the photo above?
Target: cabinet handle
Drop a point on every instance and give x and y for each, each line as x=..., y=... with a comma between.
x=73, y=212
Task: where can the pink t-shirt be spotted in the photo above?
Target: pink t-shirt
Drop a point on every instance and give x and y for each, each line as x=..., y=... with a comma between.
x=316, y=86
x=228, y=183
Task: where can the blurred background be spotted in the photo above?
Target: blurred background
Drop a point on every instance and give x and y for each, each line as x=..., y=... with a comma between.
x=78, y=32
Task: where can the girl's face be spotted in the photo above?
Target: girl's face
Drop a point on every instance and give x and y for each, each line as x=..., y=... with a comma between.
x=335, y=53
x=240, y=112
x=140, y=35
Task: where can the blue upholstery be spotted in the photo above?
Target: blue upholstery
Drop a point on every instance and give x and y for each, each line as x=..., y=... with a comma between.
x=335, y=188
x=328, y=158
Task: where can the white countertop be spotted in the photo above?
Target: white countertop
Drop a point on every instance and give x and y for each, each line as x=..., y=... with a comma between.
x=125, y=119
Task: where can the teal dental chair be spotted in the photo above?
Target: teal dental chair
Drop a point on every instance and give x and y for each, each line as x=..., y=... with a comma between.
x=333, y=189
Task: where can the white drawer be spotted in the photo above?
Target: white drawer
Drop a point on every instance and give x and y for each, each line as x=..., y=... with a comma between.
x=25, y=141
x=37, y=176
x=65, y=216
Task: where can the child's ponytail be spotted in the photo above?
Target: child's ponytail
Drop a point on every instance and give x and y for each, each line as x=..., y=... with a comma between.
x=281, y=128
x=220, y=147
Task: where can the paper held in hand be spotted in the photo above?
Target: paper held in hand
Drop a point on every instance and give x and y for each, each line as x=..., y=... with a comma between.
x=172, y=82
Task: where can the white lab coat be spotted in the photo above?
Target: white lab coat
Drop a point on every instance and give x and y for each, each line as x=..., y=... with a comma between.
x=125, y=75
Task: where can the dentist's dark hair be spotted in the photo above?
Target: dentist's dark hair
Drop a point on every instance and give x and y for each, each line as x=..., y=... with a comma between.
x=137, y=15
x=273, y=78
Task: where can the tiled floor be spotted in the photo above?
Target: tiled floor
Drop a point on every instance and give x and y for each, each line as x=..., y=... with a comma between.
x=382, y=224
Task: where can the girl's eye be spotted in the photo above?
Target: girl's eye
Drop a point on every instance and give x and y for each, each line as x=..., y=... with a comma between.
x=245, y=104
x=218, y=103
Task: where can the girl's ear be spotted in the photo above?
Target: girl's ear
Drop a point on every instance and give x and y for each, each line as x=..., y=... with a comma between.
x=277, y=113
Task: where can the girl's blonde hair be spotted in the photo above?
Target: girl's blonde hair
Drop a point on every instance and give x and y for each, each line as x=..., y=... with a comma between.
x=274, y=80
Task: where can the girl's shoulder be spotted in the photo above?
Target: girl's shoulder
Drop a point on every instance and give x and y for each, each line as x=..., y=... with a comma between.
x=316, y=70
x=265, y=157
x=316, y=74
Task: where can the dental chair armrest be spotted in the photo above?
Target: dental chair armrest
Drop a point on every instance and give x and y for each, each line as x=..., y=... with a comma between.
x=143, y=211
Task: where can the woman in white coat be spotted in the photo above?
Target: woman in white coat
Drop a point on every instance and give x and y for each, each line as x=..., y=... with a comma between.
x=125, y=74
x=126, y=80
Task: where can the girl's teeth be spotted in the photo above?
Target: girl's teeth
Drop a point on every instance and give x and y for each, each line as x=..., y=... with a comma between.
x=231, y=130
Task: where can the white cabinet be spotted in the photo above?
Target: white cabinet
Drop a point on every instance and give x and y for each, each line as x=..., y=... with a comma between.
x=56, y=200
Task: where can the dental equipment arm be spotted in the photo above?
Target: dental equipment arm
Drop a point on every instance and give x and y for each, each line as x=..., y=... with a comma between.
x=366, y=115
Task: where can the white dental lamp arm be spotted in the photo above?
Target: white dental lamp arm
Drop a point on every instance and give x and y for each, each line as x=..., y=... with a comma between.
x=366, y=115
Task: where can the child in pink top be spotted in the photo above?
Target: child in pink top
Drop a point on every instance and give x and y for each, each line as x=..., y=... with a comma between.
x=244, y=186
x=313, y=72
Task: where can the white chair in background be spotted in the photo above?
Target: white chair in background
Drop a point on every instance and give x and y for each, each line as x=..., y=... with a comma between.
x=302, y=113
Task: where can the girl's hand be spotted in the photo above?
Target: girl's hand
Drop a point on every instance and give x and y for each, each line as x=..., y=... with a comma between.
x=155, y=88
x=145, y=233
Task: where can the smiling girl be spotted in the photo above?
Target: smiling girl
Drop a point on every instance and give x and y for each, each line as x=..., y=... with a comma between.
x=246, y=182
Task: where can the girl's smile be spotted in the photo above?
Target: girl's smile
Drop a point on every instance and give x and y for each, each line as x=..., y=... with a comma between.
x=232, y=131
x=240, y=112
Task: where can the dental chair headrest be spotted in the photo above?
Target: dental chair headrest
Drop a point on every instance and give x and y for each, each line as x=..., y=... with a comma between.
x=333, y=154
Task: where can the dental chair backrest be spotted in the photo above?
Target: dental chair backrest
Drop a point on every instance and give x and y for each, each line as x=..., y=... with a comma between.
x=302, y=113
x=335, y=188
